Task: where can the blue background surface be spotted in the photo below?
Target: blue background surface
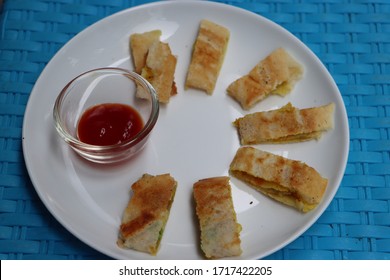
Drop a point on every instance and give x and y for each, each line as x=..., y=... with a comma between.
x=352, y=39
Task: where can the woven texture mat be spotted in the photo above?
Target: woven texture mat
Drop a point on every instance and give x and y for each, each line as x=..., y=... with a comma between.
x=352, y=38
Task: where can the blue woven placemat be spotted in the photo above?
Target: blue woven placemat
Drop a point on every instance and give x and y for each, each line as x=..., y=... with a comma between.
x=352, y=38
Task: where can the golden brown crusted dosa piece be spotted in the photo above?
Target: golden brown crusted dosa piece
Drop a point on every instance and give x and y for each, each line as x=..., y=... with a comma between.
x=287, y=124
x=159, y=70
x=147, y=212
x=139, y=47
x=207, y=56
x=288, y=181
x=220, y=232
x=276, y=74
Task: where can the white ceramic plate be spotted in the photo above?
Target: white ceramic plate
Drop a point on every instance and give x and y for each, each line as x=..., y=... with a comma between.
x=193, y=138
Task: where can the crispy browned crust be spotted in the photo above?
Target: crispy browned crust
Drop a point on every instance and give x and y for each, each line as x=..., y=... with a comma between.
x=278, y=70
x=139, y=47
x=159, y=70
x=207, y=56
x=246, y=91
x=147, y=212
x=220, y=232
x=287, y=124
x=288, y=181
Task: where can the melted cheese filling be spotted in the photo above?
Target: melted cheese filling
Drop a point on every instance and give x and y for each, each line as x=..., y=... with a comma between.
x=276, y=191
x=297, y=137
x=282, y=89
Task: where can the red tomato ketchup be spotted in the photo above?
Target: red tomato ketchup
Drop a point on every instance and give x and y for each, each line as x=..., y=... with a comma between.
x=109, y=124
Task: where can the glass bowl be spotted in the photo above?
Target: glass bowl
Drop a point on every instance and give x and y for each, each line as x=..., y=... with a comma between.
x=105, y=86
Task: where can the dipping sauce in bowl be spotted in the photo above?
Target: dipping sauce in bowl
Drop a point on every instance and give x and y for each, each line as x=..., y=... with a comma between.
x=101, y=117
x=109, y=124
